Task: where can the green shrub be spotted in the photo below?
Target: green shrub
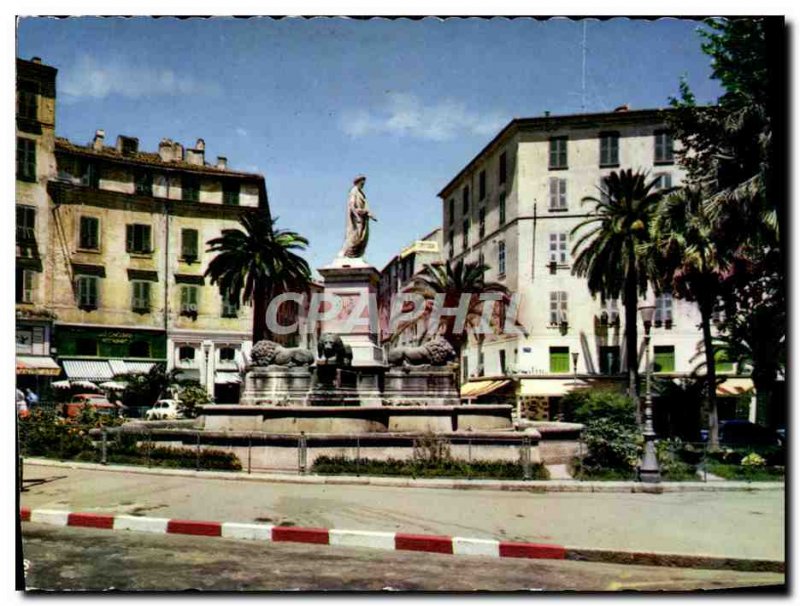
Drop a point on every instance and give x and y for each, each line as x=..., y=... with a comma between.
x=611, y=435
x=192, y=396
x=674, y=466
x=420, y=468
x=746, y=473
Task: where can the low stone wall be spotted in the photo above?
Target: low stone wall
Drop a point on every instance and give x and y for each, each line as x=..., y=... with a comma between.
x=259, y=451
x=355, y=419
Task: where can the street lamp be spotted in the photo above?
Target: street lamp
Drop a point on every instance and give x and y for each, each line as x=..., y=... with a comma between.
x=649, y=470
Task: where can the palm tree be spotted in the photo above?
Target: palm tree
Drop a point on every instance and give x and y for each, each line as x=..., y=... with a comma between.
x=449, y=281
x=690, y=263
x=607, y=251
x=257, y=263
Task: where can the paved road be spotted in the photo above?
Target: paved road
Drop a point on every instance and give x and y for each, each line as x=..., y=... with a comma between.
x=88, y=559
x=737, y=524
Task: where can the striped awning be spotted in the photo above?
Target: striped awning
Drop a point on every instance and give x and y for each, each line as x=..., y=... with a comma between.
x=37, y=365
x=549, y=387
x=103, y=370
x=734, y=387
x=90, y=370
x=227, y=378
x=473, y=389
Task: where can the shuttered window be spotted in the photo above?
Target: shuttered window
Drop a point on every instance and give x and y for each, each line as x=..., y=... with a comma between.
x=140, y=296
x=663, y=147
x=609, y=149
x=558, y=307
x=26, y=159
x=26, y=223
x=558, y=248
x=501, y=258
x=230, y=193
x=558, y=152
x=559, y=359
x=137, y=239
x=189, y=300
x=663, y=358
x=558, y=194
x=190, y=189
x=502, y=208
x=87, y=292
x=482, y=185
x=189, y=239
x=89, y=237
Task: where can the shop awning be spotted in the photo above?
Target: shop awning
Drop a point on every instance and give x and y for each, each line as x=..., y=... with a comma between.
x=227, y=378
x=473, y=389
x=90, y=370
x=734, y=387
x=549, y=387
x=103, y=370
x=37, y=365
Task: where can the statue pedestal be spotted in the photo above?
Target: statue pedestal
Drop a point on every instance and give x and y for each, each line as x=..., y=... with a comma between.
x=355, y=284
x=276, y=386
x=423, y=385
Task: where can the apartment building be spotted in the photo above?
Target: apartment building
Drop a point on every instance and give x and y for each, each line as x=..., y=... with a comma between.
x=35, y=140
x=128, y=250
x=515, y=205
x=397, y=275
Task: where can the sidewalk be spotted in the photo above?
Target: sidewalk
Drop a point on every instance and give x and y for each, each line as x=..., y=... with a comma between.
x=741, y=524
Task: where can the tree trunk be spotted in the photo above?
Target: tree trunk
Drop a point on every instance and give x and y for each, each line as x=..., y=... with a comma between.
x=631, y=340
x=711, y=373
x=260, y=303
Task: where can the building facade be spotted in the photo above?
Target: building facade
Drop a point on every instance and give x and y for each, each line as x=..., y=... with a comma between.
x=35, y=141
x=128, y=252
x=397, y=275
x=515, y=205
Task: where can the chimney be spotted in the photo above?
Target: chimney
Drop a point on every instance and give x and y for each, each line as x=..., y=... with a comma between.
x=177, y=152
x=127, y=145
x=222, y=162
x=36, y=60
x=547, y=113
x=99, y=138
x=198, y=154
x=165, y=150
x=622, y=108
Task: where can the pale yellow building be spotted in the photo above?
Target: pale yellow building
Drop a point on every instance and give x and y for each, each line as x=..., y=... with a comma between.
x=128, y=244
x=35, y=136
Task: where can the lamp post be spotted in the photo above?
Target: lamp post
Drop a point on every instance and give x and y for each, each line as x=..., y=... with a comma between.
x=649, y=470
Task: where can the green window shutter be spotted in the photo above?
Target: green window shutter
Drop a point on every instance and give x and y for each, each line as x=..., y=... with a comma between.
x=128, y=238
x=559, y=359
x=189, y=243
x=147, y=239
x=664, y=358
x=722, y=362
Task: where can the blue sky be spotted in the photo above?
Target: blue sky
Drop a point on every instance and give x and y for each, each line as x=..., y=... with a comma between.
x=312, y=103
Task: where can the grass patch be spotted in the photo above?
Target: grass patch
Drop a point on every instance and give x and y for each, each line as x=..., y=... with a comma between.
x=747, y=474
x=448, y=468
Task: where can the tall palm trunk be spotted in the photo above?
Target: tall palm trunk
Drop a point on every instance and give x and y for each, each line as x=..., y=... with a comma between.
x=260, y=302
x=706, y=310
x=631, y=337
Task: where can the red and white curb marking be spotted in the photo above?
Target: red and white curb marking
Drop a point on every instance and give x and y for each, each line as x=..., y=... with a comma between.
x=392, y=541
x=320, y=536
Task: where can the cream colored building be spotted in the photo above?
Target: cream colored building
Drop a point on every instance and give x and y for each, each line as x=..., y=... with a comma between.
x=35, y=137
x=128, y=244
x=515, y=204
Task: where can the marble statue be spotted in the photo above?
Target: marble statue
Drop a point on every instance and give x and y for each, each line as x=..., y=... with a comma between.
x=358, y=216
x=269, y=353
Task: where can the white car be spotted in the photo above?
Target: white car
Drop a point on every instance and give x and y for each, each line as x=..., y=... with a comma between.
x=163, y=410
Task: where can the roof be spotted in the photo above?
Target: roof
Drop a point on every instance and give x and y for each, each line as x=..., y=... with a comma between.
x=549, y=123
x=146, y=159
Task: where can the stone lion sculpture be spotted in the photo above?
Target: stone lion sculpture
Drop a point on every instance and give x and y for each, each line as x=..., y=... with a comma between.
x=269, y=353
x=436, y=352
x=331, y=347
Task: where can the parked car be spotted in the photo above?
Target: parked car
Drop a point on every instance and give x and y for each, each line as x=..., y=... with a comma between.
x=96, y=402
x=744, y=433
x=163, y=410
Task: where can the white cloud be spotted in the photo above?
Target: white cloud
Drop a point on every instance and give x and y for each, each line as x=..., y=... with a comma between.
x=92, y=78
x=405, y=115
x=242, y=132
